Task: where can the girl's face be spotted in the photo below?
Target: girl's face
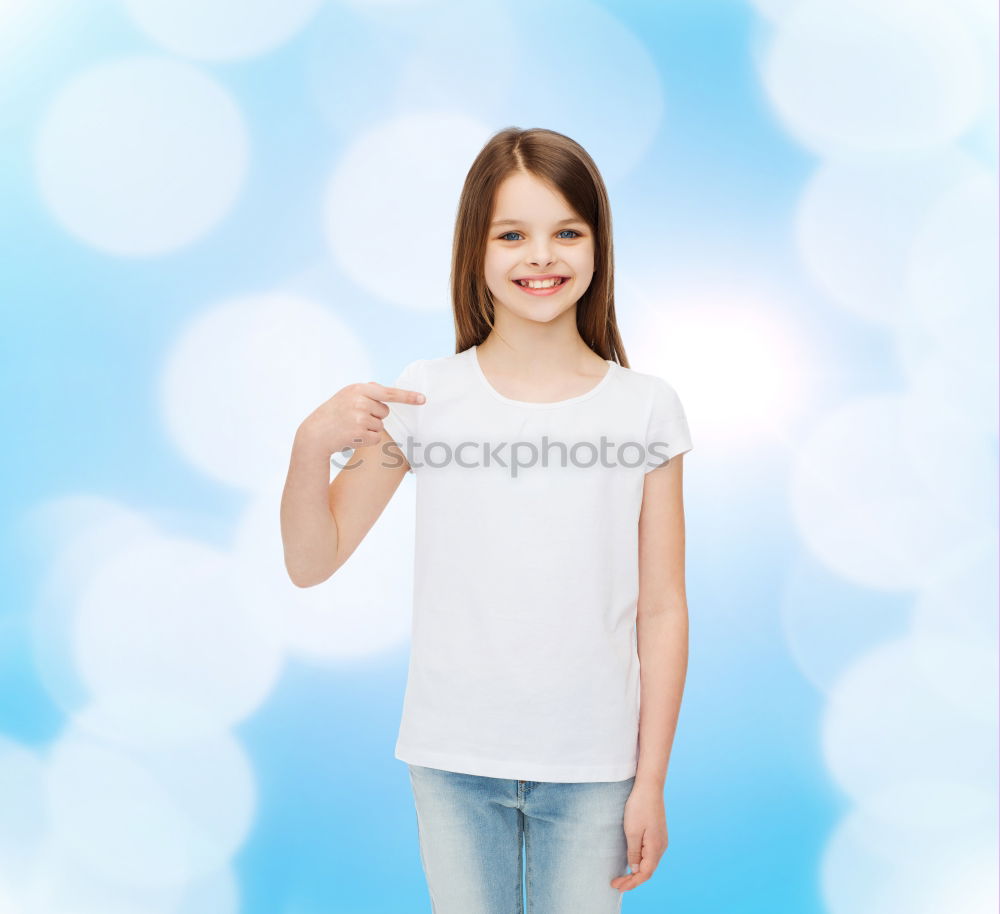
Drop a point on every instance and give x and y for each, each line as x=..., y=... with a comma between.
x=534, y=232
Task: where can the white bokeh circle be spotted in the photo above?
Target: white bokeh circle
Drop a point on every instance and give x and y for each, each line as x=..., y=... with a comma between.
x=889, y=719
x=389, y=216
x=166, y=646
x=222, y=29
x=141, y=155
x=855, y=225
x=72, y=535
x=245, y=373
x=614, y=106
x=150, y=819
x=919, y=846
x=860, y=504
x=947, y=338
x=59, y=881
x=827, y=620
x=962, y=602
x=864, y=77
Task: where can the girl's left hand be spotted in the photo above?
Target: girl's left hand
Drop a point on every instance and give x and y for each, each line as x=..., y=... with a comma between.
x=646, y=831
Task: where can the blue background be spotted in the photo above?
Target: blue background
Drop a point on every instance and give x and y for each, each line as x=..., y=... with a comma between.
x=837, y=364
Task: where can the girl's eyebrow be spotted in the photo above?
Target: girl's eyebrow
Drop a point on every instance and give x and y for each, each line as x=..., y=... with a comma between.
x=519, y=222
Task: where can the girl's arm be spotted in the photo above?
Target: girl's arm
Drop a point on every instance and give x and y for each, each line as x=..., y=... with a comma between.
x=308, y=528
x=662, y=633
x=661, y=620
x=323, y=522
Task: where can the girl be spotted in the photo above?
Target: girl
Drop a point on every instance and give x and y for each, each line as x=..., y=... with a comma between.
x=549, y=551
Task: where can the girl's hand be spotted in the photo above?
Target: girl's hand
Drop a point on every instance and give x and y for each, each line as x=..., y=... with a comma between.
x=353, y=416
x=646, y=830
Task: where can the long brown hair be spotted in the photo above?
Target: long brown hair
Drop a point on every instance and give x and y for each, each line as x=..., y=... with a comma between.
x=565, y=166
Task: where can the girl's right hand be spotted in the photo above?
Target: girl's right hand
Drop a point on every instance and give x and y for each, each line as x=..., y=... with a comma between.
x=353, y=416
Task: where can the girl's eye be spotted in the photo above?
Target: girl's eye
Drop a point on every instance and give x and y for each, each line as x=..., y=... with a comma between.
x=503, y=237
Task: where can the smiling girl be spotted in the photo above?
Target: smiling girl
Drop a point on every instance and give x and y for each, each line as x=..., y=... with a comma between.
x=549, y=640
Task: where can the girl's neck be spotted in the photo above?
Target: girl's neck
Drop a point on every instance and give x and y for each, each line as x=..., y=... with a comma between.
x=540, y=358
x=543, y=374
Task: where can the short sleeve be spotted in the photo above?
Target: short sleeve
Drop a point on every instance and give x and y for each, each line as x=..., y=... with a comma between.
x=667, y=433
x=402, y=421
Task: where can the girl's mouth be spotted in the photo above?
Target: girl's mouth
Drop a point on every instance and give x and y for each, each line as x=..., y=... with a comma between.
x=545, y=290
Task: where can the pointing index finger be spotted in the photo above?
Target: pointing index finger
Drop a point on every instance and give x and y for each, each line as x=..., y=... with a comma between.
x=398, y=395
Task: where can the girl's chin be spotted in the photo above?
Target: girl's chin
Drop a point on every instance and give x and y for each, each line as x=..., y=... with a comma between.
x=541, y=312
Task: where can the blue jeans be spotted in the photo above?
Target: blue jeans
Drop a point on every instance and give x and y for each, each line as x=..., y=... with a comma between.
x=471, y=830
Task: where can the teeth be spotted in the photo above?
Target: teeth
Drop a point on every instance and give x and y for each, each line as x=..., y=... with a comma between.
x=539, y=284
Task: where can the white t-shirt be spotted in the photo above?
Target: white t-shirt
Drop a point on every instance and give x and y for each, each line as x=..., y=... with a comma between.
x=523, y=660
